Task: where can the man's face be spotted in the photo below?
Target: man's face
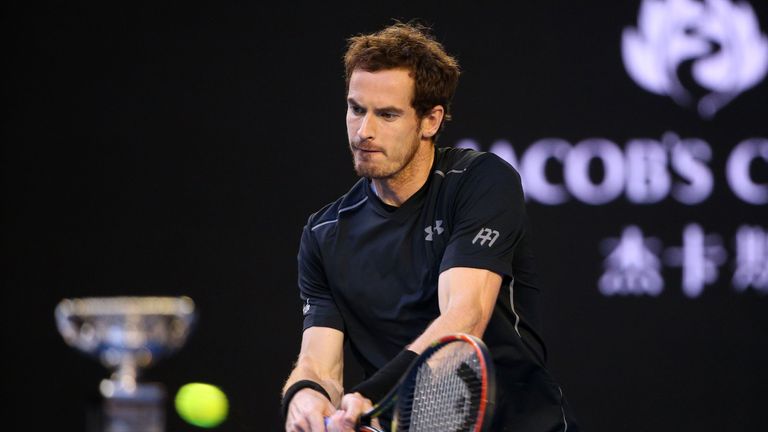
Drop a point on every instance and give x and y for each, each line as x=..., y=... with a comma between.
x=383, y=128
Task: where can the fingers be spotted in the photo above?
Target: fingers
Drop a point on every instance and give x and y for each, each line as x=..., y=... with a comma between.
x=353, y=405
x=311, y=422
x=335, y=423
x=307, y=412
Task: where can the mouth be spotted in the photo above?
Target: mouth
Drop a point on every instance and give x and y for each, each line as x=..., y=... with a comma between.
x=367, y=150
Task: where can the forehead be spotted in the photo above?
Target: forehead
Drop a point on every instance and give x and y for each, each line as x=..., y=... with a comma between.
x=391, y=87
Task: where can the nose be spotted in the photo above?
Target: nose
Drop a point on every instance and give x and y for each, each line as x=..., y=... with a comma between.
x=367, y=128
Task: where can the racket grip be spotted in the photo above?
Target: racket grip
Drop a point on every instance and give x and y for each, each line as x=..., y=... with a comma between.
x=364, y=424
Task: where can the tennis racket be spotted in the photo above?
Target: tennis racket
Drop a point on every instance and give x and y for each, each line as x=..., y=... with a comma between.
x=450, y=387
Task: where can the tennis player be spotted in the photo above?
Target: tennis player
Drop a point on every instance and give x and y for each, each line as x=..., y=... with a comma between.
x=430, y=241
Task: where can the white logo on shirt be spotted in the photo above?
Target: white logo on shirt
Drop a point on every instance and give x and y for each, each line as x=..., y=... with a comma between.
x=486, y=235
x=437, y=229
x=305, y=309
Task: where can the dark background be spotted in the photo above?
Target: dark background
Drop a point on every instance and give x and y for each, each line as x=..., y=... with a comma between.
x=171, y=149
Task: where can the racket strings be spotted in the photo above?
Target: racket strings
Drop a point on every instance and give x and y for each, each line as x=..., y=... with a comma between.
x=446, y=394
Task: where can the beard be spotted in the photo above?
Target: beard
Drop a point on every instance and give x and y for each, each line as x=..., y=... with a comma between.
x=384, y=165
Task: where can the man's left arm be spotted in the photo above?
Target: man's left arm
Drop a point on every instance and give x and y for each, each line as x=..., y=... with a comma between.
x=467, y=297
x=490, y=222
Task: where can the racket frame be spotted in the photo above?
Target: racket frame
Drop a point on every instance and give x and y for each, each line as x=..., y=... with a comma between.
x=487, y=397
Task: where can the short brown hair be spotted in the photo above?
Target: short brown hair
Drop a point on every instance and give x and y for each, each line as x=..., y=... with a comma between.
x=410, y=46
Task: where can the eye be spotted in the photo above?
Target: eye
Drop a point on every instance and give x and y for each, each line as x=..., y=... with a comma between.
x=356, y=110
x=387, y=115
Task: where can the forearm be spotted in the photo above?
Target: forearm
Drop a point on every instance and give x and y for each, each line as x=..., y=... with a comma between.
x=321, y=360
x=450, y=322
x=467, y=297
x=330, y=380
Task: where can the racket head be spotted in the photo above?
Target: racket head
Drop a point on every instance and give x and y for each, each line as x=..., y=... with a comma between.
x=450, y=388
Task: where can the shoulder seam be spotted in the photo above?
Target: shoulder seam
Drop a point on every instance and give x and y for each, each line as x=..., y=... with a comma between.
x=453, y=171
x=339, y=212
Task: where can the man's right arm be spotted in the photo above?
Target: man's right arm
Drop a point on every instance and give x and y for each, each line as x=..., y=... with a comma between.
x=321, y=361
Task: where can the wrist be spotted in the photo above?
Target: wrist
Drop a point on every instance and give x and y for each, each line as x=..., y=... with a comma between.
x=291, y=391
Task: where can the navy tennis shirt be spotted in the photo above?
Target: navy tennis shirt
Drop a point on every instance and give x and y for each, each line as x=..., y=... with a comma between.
x=371, y=270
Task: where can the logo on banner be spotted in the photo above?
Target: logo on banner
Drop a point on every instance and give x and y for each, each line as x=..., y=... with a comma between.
x=702, y=54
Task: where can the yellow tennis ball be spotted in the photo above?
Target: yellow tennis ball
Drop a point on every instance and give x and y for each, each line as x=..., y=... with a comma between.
x=201, y=404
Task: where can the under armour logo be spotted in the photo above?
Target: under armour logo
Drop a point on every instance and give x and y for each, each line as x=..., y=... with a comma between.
x=438, y=229
x=486, y=235
x=305, y=309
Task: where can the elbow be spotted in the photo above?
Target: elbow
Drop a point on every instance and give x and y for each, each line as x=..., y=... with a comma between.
x=471, y=320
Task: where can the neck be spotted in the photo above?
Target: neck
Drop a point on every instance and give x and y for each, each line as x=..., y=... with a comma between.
x=397, y=189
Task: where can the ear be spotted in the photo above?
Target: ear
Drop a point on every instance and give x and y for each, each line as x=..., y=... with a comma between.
x=430, y=123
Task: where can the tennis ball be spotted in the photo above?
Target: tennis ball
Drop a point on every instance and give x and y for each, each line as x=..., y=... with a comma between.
x=203, y=405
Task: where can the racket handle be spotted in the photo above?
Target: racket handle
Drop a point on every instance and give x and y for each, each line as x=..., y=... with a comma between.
x=364, y=424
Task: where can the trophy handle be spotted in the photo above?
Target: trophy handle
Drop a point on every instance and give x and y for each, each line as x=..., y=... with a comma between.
x=82, y=337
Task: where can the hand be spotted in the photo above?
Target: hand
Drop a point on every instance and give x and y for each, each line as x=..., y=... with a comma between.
x=307, y=411
x=345, y=419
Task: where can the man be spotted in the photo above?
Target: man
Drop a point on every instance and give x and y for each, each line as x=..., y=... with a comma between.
x=429, y=242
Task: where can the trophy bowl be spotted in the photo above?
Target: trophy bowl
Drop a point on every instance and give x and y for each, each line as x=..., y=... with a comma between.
x=127, y=334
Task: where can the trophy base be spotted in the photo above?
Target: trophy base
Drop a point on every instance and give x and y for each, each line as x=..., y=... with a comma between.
x=142, y=410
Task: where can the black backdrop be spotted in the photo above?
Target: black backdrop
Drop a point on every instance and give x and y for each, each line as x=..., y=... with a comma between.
x=170, y=149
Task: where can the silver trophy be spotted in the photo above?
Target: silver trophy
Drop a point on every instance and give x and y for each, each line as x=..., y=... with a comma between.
x=128, y=334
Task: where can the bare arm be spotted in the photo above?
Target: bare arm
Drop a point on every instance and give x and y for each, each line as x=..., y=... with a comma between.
x=321, y=360
x=466, y=297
